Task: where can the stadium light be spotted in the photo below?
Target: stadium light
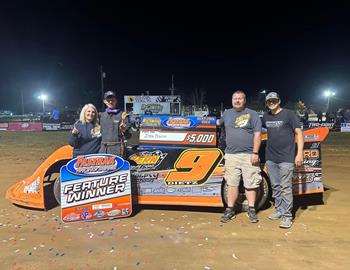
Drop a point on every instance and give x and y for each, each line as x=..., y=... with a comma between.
x=43, y=97
x=328, y=94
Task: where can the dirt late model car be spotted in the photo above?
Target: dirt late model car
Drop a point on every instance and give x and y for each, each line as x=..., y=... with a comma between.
x=177, y=162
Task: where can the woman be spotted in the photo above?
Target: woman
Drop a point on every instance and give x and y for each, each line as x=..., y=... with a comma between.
x=85, y=138
x=86, y=134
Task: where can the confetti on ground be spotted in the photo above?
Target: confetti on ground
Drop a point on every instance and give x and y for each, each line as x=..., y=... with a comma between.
x=234, y=256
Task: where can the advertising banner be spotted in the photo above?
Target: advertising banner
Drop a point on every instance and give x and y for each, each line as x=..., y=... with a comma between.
x=4, y=126
x=25, y=126
x=345, y=127
x=95, y=187
x=167, y=104
x=67, y=126
x=152, y=99
x=51, y=126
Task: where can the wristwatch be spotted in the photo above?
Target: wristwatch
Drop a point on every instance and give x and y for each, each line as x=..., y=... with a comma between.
x=255, y=153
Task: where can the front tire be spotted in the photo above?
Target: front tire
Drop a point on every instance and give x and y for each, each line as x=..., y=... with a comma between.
x=262, y=194
x=57, y=190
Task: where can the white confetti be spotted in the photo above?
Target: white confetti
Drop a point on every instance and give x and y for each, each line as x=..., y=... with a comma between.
x=234, y=256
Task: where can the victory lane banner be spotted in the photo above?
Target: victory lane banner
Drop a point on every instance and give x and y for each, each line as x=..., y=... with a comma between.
x=95, y=187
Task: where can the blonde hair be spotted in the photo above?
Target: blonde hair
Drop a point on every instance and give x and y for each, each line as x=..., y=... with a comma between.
x=97, y=129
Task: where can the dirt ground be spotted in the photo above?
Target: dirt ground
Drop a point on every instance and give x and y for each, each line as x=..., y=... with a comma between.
x=176, y=238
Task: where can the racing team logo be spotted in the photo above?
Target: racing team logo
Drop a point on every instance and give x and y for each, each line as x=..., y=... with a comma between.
x=147, y=160
x=151, y=122
x=93, y=165
x=178, y=123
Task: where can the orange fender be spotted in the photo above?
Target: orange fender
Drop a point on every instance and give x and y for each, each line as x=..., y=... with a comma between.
x=30, y=191
x=310, y=135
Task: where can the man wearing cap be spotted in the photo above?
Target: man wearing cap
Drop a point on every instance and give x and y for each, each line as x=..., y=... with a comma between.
x=243, y=138
x=114, y=123
x=283, y=129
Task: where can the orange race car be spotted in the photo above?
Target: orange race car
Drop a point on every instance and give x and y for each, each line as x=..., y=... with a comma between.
x=177, y=162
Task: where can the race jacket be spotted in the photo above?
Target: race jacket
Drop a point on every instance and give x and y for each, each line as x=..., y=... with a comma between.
x=110, y=127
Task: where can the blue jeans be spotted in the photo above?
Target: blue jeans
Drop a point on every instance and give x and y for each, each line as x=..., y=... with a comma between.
x=281, y=182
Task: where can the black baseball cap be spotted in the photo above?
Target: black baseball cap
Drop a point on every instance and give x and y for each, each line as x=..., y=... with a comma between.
x=109, y=94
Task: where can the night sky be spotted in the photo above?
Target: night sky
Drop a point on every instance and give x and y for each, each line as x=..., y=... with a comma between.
x=57, y=47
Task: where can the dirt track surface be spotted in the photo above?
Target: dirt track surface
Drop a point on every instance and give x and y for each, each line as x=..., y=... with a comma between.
x=167, y=238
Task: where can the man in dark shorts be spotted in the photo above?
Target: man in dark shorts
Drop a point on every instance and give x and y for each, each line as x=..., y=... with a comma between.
x=283, y=127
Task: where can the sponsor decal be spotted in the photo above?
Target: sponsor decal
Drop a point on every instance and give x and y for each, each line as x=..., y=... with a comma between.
x=125, y=211
x=145, y=177
x=194, y=167
x=184, y=189
x=33, y=187
x=311, y=137
x=85, y=208
x=86, y=215
x=315, y=145
x=71, y=217
x=113, y=213
x=151, y=122
x=147, y=160
x=315, y=125
x=159, y=190
x=306, y=177
x=102, y=206
x=99, y=214
x=311, y=154
x=95, y=164
x=312, y=162
x=206, y=120
x=178, y=123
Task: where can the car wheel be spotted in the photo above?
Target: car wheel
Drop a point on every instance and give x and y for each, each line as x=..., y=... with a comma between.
x=262, y=194
x=57, y=190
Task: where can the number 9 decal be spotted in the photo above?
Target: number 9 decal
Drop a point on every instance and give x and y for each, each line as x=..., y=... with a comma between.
x=194, y=166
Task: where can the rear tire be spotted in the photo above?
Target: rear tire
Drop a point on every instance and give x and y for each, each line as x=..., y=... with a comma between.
x=57, y=190
x=262, y=194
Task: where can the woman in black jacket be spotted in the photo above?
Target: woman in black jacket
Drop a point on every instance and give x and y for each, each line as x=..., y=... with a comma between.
x=86, y=134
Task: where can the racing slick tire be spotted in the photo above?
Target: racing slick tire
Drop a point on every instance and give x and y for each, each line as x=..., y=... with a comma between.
x=262, y=194
x=57, y=190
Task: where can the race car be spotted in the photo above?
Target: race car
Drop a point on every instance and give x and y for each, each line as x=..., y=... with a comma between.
x=178, y=161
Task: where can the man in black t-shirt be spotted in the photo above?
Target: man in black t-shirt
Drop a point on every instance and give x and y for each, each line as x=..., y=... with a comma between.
x=283, y=127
